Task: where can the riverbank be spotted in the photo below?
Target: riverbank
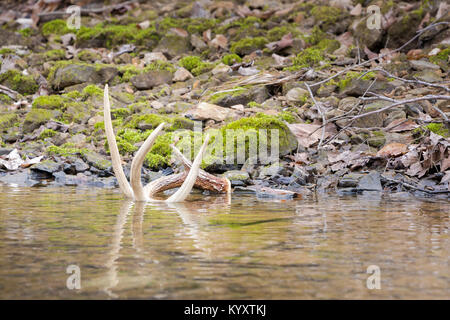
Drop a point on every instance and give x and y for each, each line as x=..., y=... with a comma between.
x=358, y=109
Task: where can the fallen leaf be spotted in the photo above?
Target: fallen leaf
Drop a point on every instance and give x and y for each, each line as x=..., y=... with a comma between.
x=306, y=134
x=394, y=149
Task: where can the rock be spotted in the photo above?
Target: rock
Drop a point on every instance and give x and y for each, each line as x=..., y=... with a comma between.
x=207, y=111
x=429, y=75
x=350, y=180
x=96, y=160
x=242, y=96
x=80, y=165
x=236, y=175
x=271, y=170
x=74, y=74
x=423, y=65
x=370, y=182
x=348, y=103
x=221, y=68
x=220, y=41
x=150, y=57
x=374, y=120
x=174, y=45
x=19, y=178
x=371, y=38
x=151, y=79
x=182, y=75
x=47, y=166
x=198, y=42
x=357, y=87
x=156, y=105
x=297, y=94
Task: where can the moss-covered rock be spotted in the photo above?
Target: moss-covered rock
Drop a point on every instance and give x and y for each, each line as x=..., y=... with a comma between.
x=8, y=120
x=230, y=59
x=35, y=118
x=248, y=45
x=19, y=82
x=48, y=102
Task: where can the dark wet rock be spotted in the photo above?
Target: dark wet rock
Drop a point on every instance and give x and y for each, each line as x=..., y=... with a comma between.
x=350, y=180
x=370, y=182
x=151, y=79
x=5, y=151
x=372, y=38
x=47, y=166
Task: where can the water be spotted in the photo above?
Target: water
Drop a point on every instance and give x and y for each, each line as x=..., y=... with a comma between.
x=208, y=248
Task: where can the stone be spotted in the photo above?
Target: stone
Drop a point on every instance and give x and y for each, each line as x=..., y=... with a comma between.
x=350, y=180
x=156, y=105
x=348, y=103
x=96, y=160
x=271, y=170
x=297, y=94
x=47, y=166
x=423, y=65
x=258, y=94
x=429, y=75
x=74, y=74
x=370, y=182
x=182, y=75
x=236, y=175
x=221, y=68
x=174, y=45
x=207, y=111
x=150, y=57
x=198, y=43
x=151, y=79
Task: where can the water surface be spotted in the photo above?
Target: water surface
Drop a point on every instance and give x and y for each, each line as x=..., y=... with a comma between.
x=209, y=248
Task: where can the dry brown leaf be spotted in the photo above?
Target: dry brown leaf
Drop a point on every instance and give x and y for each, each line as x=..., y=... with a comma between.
x=306, y=134
x=394, y=149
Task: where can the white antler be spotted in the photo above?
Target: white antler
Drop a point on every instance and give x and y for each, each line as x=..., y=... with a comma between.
x=134, y=189
x=113, y=150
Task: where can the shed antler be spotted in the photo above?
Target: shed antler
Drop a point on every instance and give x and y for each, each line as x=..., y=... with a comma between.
x=193, y=176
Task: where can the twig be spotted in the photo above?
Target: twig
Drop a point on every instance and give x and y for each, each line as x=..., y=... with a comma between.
x=419, y=33
x=410, y=186
x=324, y=120
x=400, y=102
x=407, y=80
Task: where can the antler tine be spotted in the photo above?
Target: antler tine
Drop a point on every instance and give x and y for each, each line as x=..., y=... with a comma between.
x=113, y=150
x=187, y=185
x=136, y=165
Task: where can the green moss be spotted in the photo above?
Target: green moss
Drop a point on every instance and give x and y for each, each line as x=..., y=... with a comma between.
x=35, y=117
x=328, y=45
x=326, y=16
x=56, y=27
x=253, y=104
x=349, y=76
x=88, y=55
x=67, y=149
x=230, y=59
x=277, y=33
x=57, y=54
x=73, y=94
x=252, y=125
x=26, y=32
x=6, y=51
x=48, y=102
x=439, y=128
x=151, y=121
x=4, y=99
x=128, y=71
x=92, y=91
x=112, y=35
x=120, y=113
x=248, y=45
x=8, y=120
x=19, y=82
x=198, y=25
x=287, y=116
x=310, y=57
x=47, y=133
x=442, y=56
x=195, y=65
x=160, y=153
x=160, y=65
x=237, y=91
